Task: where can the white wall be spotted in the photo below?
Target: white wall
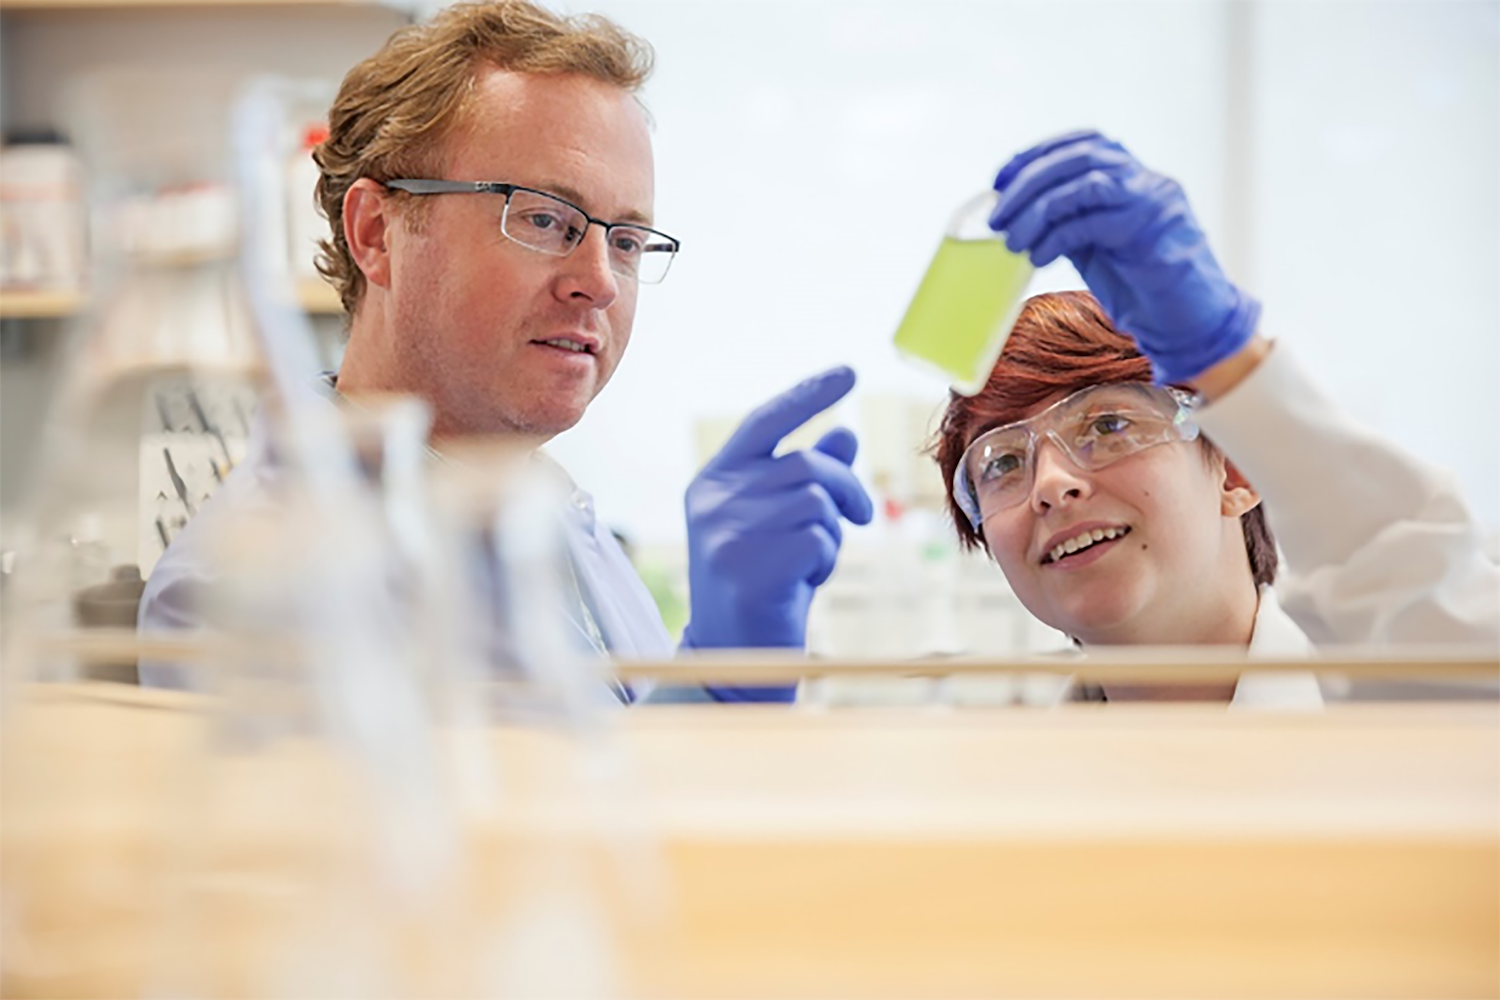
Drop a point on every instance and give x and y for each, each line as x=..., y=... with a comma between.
x=1368, y=133
x=808, y=155
x=46, y=49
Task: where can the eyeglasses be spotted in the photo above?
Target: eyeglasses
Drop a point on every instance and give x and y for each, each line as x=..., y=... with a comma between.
x=1094, y=427
x=547, y=224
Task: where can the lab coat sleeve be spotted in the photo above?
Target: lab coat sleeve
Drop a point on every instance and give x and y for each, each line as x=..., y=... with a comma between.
x=1378, y=546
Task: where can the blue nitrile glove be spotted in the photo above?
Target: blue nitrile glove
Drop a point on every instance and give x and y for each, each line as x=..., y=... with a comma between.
x=1133, y=239
x=764, y=530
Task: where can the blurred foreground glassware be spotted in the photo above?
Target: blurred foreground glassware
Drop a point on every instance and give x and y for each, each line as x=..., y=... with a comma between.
x=263, y=857
x=968, y=300
x=391, y=774
x=136, y=432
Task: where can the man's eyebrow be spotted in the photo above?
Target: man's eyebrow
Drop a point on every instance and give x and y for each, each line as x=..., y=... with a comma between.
x=632, y=217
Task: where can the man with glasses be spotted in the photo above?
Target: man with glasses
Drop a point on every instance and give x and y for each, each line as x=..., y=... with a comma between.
x=489, y=182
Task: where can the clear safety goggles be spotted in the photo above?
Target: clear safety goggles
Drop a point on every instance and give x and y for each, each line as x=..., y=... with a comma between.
x=1094, y=427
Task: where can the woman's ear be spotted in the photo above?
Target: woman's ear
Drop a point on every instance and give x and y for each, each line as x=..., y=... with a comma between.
x=367, y=223
x=1237, y=497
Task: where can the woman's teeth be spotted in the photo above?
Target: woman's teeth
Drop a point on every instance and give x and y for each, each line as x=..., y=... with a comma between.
x=1083, y=541
x=567, y=345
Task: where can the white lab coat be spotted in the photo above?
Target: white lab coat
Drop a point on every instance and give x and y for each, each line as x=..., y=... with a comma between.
x=1273, y=635
x=1379, y=547
x=1276, y=635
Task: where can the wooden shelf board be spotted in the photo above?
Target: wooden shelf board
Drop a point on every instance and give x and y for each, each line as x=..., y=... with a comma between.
x=316, y=296
x=7, y=6
x=37, y=304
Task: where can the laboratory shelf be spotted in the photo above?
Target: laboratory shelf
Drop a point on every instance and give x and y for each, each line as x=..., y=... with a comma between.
x=318, y=296
x=874, y=852
x=314, y=295
x=38, y=304
x=94, y=5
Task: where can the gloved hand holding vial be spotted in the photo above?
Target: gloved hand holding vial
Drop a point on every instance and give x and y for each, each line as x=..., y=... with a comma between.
x=1135, y=242
x=1129, y=232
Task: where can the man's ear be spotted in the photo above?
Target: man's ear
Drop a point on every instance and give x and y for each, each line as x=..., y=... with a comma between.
x=368, y=221
x=1237, y=496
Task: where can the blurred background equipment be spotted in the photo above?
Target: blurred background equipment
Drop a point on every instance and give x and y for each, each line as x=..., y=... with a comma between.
x=43, y=239
x=46, y=47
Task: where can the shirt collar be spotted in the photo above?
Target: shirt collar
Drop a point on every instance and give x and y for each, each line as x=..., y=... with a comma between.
x=579, y=500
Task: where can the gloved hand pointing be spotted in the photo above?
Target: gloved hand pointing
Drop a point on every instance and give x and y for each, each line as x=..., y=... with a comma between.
x=1134, y=241
x=764, y=530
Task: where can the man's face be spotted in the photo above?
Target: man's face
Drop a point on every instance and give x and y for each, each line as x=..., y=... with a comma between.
x=472, y=312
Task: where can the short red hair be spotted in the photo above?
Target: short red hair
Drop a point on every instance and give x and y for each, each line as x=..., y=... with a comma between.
x=1062, y=342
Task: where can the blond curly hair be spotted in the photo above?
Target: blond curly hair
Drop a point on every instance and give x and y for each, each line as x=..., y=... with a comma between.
x=394, y=109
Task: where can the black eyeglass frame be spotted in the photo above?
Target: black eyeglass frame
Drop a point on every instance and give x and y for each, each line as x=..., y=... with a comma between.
x=423, y=186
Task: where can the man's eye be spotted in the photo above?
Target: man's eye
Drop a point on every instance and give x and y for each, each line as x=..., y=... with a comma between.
x=542, y=221
x=628, y=244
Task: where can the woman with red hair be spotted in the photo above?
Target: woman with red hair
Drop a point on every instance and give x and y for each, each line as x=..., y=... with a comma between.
x=1115, y=462
x=1112, y=516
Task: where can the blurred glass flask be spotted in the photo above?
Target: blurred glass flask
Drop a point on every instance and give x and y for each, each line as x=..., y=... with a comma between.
x=968, y=300
x=317, y=740
x=304, y=838
x=134, y=439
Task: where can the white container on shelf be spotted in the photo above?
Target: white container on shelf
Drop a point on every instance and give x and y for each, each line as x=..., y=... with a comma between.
x=43, y=220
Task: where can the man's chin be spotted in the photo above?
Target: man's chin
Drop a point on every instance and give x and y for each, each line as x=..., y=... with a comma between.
x=550, y=421
x=535, y=425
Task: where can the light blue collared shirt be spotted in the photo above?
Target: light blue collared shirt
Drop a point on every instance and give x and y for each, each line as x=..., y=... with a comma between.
x=626, y=616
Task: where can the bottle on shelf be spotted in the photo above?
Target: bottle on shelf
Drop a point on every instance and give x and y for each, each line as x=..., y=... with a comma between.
x=43, y=222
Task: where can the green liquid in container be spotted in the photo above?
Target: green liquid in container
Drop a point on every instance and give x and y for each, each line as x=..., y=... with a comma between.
x=964, y=309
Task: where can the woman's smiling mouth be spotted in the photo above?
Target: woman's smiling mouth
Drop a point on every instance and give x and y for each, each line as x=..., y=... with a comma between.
x=1083, y=540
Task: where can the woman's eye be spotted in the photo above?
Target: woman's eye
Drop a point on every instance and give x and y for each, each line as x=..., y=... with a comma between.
x=1000, y=466
x=1108, y=423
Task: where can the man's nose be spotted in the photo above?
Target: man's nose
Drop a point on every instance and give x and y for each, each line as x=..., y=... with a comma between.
x=1057, y=479
x=586, y=273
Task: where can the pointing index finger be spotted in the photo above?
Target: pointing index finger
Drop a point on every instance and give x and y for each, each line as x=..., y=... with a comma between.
x=764, y=428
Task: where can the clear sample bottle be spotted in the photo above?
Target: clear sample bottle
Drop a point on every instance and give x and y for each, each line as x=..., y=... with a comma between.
x=968, y=300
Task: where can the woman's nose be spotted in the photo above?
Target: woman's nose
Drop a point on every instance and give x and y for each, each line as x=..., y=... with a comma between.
x=1056, y=478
